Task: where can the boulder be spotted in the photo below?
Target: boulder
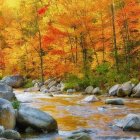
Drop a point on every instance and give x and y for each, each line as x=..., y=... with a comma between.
x=116, y=101
x=136, y=91
x=91, y=98
x=34, y=118
x=39, y=84
x=35, y=81
x=71, y=90
x=1, y=129
x=125, y=89
x=14, y=81
x=44, y=87
x=130, y=123
x=89, y=90
x=11, y=134
x=53, y=89
x=79, y=136
x=7, y=114
x=96, y=91
x=59, y=86
x=52, y=83
x=6, y=92
x=45, y=91
x=113, y=90
x=62, y=86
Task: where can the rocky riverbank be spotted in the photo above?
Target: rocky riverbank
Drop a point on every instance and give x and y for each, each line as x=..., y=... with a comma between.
x=82, y=116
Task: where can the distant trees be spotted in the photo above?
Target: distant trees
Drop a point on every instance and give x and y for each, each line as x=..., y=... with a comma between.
x=60, y=37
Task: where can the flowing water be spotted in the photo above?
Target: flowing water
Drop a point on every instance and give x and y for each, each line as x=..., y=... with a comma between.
x=71, y=114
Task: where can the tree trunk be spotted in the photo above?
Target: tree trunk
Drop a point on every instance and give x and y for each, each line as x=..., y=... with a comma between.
x=103, y=40
x=114, y=37
x=40, y=47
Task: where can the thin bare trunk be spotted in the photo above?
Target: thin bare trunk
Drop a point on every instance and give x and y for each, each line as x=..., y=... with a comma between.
x=103, y=40
x=40, y=47
x=114, y=36
x=73, y=59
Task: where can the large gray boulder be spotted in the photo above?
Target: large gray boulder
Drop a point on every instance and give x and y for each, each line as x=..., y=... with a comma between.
x=11, y=134
x=125, y=89
x=136, y=91
x=130, y=123
x=7, y=114
x=91, y=98
x=113, y=90
x=89, y=90
x=34, y=118
x=116, y=101
x=6, y=92
x=96, y=91
x=14, y=81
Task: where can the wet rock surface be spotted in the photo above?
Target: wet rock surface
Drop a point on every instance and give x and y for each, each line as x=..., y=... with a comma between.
x=136, y=91
x=113, y=90
x=11, y=134
x=116, y=101
x=6, y=92
x=15, y=81
x=34, y=118
x=130, y=123
x=90, y=99
x=7, y=114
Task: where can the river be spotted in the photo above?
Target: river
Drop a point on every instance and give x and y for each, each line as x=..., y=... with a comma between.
x=71, y=114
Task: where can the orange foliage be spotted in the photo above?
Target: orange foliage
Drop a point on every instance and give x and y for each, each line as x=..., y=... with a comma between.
x=71, y=33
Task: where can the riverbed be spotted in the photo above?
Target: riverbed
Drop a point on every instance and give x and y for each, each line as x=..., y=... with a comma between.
x=72, y=114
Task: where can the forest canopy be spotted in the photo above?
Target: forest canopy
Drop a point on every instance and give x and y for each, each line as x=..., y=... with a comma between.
x=88, y=39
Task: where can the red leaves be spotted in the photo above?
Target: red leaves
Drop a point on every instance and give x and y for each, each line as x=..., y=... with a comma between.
x=58, y=52
x=53, y=35
x=42, y=11
x=48, y=39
